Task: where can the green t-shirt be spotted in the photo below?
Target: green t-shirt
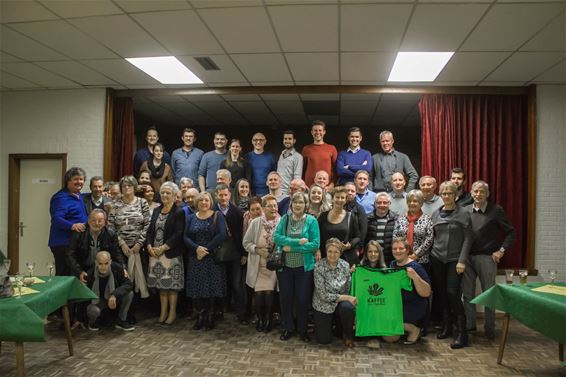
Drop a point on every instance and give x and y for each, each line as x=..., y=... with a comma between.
x=380, y=306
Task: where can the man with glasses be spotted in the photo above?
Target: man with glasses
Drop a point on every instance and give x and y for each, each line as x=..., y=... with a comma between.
x=262, y=163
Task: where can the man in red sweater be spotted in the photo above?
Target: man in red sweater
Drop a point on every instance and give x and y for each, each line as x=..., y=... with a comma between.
x=319, y=155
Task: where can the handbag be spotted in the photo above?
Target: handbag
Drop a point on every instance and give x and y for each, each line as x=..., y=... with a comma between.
x=227, y=251
x=276, y=258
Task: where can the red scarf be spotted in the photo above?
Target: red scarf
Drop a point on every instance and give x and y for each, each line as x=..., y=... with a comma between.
x=412, y=219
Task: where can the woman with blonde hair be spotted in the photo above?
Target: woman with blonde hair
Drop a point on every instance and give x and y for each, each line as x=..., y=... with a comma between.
x=204, y=231
x=298, y=237
x=317, y=201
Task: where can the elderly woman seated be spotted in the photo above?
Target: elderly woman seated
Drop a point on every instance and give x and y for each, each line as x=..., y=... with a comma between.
x=331, y=300
x=415, y=304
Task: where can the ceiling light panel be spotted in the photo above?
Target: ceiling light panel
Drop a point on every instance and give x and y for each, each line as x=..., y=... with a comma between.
x=418, y=66
x=166, y=70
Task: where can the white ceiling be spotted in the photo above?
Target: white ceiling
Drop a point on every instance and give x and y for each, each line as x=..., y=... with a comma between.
x=55, y=44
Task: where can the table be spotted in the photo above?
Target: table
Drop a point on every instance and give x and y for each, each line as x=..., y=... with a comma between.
x=543, y=312
x=22, y=319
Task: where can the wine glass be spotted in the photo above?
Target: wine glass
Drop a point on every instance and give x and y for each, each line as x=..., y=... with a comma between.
x=19, y=283
x=50, y=268
x=30, y=266
x=552, y=275
x=6, y=267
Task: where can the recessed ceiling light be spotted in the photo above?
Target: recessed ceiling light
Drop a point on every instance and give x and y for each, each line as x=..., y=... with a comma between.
x=418, y=66
x=166, y=70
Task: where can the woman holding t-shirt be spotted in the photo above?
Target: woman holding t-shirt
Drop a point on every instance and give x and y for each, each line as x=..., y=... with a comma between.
x=415, y=303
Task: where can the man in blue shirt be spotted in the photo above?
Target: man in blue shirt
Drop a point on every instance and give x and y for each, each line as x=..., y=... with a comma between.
x=210, y=162
x=185, y=161
x=144, y=154
x=262, y=163
x=353, y=159
x=364, y=197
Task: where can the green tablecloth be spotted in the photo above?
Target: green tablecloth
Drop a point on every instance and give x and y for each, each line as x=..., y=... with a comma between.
x=543, y=312
x=22, y=319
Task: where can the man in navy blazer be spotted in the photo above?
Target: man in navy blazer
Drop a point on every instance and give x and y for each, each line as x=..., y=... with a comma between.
x=391, y=161
x=234, y=220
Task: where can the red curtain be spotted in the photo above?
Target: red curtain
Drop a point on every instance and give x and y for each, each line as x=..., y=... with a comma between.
x=486, y=135
x=122, y=137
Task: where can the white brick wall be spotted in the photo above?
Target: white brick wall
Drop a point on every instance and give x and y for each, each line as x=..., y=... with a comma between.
x=551, y=180
x=55, y=121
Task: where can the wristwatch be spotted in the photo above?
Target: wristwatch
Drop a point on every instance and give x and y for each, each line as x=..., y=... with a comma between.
x=502, y=250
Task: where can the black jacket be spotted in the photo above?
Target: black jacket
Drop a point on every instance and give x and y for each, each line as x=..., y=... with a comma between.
x=79, y=249
x=122, y=284
x=235, y=223
x=173, y=233
x=362, y=219
x=388, y=234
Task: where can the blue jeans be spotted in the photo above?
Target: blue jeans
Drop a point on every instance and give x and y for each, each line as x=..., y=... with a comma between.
x=295, y=285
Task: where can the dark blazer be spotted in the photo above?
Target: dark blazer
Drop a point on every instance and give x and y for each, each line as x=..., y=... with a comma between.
x=235, y=223
x=361, y=218
x=87, y=198
x=381, y=182
x=79, y=250
x=173, y=233
x=121, y=282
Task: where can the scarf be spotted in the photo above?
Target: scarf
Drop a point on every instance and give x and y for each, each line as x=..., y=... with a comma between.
x=269, y=226
x=156, y=172
x=244, y=203
x=110, y=287
x=136, y=274
x=412, y=219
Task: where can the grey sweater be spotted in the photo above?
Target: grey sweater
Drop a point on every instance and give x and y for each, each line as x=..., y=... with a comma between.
x=452, y=236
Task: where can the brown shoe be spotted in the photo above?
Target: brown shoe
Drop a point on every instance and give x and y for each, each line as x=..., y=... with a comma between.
x=348, y=343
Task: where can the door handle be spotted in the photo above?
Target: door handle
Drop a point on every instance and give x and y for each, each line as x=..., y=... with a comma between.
x=21, y=227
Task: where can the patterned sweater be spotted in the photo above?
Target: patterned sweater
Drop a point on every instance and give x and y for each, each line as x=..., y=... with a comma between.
x=423, y=235
x=130, y=221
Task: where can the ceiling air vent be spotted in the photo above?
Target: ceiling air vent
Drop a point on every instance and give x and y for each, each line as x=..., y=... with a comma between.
x=207, y=63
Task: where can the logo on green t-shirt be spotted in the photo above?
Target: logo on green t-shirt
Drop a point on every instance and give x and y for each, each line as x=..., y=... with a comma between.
x=375, y=290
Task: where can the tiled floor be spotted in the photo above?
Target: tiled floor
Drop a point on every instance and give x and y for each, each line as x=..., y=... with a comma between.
x=235, y=350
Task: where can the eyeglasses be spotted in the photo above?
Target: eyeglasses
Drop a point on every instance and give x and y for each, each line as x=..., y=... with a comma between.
x=257, y=140
x=447, y=194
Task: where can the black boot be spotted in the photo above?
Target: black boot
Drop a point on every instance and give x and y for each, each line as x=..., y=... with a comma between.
x=199, y=312
x=461, y=338
x=446, y=331
x=259, y=310
x=268, y=315
x=209, y=315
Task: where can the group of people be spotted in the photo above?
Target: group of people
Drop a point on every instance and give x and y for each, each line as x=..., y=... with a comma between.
x=333, y=217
